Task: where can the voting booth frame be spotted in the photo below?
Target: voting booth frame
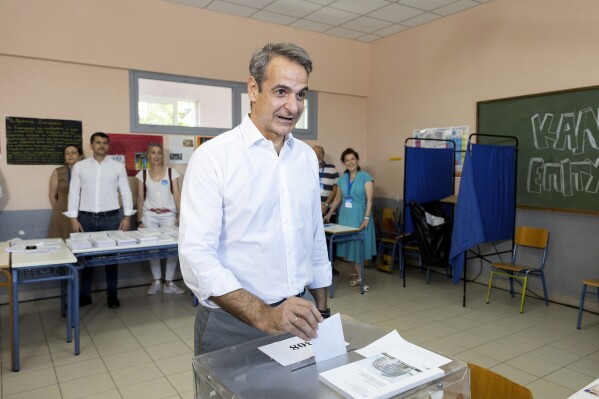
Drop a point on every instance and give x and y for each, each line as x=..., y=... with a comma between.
x=429, y=175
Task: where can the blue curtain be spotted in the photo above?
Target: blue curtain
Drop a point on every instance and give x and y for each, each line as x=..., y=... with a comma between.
x=486, y=201
x=428, y=177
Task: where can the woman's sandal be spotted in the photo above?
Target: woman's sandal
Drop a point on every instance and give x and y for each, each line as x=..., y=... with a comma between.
x=353, y=280
x=357, y=283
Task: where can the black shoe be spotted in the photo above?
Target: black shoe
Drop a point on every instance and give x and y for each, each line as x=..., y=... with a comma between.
x=113, y=301
x=85, y=300
x=335, y=272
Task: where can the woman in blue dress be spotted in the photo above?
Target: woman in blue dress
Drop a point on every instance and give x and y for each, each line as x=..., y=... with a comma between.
x=356, y=192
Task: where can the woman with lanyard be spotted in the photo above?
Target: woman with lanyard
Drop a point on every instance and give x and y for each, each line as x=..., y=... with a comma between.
x=60, y=225
x=356, y=193
x=158, y=201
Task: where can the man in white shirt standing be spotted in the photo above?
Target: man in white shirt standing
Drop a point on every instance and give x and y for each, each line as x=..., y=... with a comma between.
x=94, y=206
x=251, y=238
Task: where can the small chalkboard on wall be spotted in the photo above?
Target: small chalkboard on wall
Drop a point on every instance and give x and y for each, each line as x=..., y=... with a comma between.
x=35, y=141
x=558, y=150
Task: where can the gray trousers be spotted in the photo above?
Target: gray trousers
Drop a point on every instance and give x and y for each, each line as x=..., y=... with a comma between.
x=216, y=329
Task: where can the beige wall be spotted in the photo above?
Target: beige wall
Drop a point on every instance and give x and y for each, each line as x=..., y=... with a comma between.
x=69, y=59
x=433, y=75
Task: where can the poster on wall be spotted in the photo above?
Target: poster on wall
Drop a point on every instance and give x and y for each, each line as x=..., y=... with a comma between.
x=458, y=134
x=180, y=149
x=131, y=149
x=202, y=139
x=37, y=141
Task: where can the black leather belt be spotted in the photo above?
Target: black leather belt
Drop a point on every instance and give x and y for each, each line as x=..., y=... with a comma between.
x=300, y=295
x=96, y=214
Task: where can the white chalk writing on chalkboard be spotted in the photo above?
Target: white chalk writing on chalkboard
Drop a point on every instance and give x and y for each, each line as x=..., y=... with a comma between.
x=574, y=133
x=35, y=141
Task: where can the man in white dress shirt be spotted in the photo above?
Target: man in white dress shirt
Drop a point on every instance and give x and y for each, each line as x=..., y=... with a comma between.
x=94, y=206
x=251, y=238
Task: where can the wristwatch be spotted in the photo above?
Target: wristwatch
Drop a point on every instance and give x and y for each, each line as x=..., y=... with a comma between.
x=326, y=313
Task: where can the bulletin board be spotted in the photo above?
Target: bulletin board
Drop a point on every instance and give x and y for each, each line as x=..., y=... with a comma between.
x=131, y=149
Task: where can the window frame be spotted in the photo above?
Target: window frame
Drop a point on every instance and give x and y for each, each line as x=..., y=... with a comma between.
x=237, y=89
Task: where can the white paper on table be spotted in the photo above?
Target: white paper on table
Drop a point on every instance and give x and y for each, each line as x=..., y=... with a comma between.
x=588, y=392
x=394, y=340
x=330, y=341
x=289, y=351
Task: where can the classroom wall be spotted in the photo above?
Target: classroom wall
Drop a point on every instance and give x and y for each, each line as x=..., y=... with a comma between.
x=433, y=75
x=69, y=59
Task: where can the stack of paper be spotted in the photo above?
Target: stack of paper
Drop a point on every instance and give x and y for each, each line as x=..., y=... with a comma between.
x=173, y=231
x=150, y=231
x=384, y=375
x=80, y=243
x=162, y=234
x=80, y=236
x=166, y=238
x=34, y=246
x=142, y=237
x=101, y=240
x=122, y=238
x=392, y=366
x=591, y=391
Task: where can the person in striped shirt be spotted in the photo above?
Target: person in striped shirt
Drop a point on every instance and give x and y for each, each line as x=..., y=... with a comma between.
x=328, y=177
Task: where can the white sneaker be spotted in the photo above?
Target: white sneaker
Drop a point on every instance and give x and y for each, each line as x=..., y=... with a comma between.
x=173, y=288
x=155, y=288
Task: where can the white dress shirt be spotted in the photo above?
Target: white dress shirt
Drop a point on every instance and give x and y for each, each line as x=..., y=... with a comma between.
x=251, y=219
x=94, y=184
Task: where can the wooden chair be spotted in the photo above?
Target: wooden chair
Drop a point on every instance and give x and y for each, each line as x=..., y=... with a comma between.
x=529, y=237
x=486, y=384
x=585, y=283
x=390, y=241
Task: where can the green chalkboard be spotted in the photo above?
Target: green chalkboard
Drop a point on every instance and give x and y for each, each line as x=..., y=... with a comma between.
x=35, y=141
x=558, y=146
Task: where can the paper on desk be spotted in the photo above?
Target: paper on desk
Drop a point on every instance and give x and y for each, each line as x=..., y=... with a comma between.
x=589, y=392
x=330, y=341
x=34, y=246
x=394, y=340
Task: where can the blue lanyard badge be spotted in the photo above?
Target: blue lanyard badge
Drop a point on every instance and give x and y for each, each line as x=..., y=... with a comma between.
x=348, y=198
x=321, y=175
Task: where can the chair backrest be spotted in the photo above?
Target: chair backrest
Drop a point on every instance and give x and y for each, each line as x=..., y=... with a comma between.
x=486, y=384
x=532, y=237
x=391, y=213
x=390, y=222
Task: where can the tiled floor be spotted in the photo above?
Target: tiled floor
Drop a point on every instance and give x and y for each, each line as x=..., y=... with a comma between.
x=144, y=348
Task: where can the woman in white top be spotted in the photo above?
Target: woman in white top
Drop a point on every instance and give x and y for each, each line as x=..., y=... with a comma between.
x=158, y=201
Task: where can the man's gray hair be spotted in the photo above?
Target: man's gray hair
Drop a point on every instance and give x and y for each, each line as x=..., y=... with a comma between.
x=261, y=59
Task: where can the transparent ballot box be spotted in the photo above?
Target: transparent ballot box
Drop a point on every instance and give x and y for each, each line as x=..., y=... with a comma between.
x=245, y=372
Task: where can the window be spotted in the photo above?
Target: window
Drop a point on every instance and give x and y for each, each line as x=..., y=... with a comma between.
x=162, y=103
